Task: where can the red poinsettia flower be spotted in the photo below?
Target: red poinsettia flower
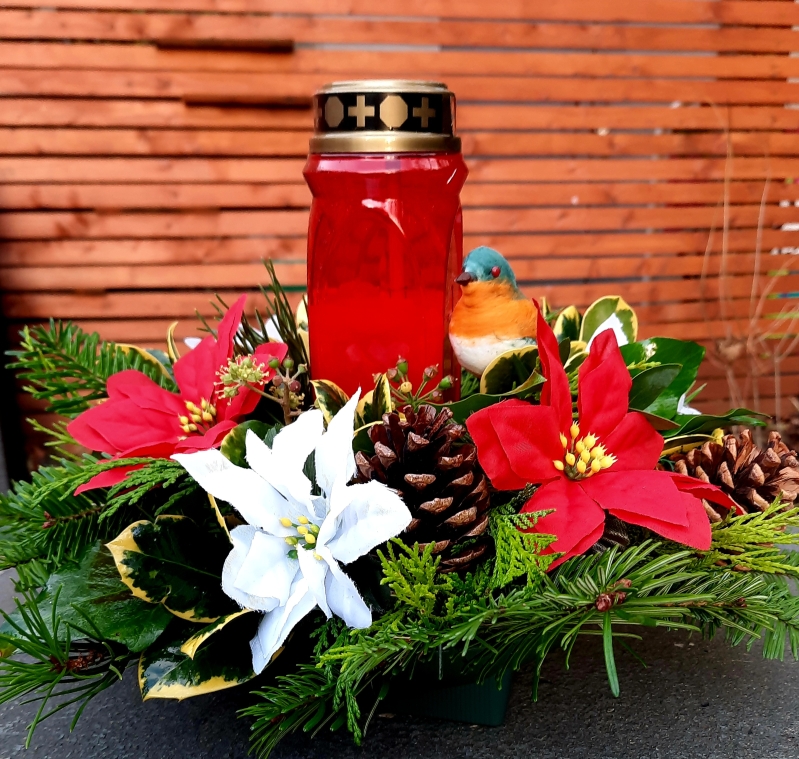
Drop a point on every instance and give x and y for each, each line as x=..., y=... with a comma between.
x=141, y=419
x=604, y=462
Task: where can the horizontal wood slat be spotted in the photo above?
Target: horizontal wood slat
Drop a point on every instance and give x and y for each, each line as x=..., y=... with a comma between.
x=674, y=11
x=81, y=25
x=114, y=84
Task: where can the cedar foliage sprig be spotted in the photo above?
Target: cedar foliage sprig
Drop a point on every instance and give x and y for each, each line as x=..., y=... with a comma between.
x=750, y=541
x=49, y=663
x=518, y=554
x=163, y=475
x=649, y=584
x=414, y=578
x=69, y=368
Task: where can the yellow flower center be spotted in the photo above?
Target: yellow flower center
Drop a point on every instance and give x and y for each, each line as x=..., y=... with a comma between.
x=305, y=537
x=583, y=457
x=198, y=419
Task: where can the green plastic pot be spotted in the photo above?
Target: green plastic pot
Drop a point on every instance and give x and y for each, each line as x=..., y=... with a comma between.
x=452, y=696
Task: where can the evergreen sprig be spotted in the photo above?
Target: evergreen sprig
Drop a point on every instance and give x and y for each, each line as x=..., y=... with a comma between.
x=750, y=541
x=414, y=578
x=54, y=660
x=518, y=554
x=167, y=477
x=69, y=368
x=649, y=584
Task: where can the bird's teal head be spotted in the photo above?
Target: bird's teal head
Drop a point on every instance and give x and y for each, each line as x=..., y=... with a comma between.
x=486, y=265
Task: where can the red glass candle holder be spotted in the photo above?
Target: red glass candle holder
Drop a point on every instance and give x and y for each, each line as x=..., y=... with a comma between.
x=385, y=240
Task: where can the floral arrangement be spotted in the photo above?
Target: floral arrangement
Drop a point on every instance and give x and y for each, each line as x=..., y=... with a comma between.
x=227, y=518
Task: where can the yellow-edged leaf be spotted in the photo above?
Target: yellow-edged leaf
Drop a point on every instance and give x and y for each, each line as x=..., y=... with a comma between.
x=171, y=345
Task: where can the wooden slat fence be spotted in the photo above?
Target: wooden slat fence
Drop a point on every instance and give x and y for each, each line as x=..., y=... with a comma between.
x=151, y=153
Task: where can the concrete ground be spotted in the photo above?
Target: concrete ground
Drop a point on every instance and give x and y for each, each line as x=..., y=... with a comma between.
x=695, y=699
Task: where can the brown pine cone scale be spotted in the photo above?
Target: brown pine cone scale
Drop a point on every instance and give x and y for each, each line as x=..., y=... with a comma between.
x=752, y=476
x=421, y=455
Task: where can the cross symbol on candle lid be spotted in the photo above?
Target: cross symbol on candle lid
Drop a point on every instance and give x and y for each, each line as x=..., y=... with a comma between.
x=425, y=113
x=360, y=110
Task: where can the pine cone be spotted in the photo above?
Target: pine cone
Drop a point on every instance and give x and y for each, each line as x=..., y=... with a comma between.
x=752, y=476
x=439, y=479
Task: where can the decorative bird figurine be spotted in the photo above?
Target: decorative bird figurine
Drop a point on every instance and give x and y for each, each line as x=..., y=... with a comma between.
x=492, y=316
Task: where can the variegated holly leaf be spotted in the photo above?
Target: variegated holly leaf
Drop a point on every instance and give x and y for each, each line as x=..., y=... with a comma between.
x=509, y=371
x=174, y=562
x=330, y=398
x=191, y=646
x=224, y=661
x=93, y=601
x=375, y=403
x=610, y=312
x=233, y=448
x=567, y=325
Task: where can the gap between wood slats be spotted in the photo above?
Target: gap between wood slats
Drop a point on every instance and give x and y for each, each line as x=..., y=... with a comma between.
x=94, y=112
x=188, y=196
x=168, y=142
x=356, y=63
x=664, y=11
x=159, y=85
x=82, y=225
x=90, y=25
x=230, y=250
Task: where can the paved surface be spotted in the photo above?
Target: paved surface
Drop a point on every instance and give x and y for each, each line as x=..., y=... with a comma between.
x=696, y=699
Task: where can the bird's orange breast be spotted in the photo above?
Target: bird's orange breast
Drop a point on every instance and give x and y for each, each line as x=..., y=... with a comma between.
x=490, y=308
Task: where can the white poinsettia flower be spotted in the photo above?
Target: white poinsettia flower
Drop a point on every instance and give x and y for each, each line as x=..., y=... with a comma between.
x=286, y=560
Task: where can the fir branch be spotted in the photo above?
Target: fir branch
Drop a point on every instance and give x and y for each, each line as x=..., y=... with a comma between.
x=164, y=475
x=518, y=554
x=50, y=664
x=749, y=542
x=60, y=440
x=69, y=368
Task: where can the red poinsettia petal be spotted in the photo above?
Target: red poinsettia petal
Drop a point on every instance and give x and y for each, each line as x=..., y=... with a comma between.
x=195, y=371
x=123, y=424
x=227, y=329
x=695, y=534
x=578, y=522
x=556, y=392
x=603, y=387
x=634, y=443
x=650, y=495
x=705, y=490
x=516, y=443
x=108, y=478
x=210, y=439
x=145, y=393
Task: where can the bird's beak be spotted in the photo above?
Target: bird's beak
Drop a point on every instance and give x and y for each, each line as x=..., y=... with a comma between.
x=464, y=278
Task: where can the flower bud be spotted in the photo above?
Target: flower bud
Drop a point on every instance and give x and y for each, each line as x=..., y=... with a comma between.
x=277, y=380
x=294, y=386
x=301, y=368
x=406, y=388
x=431, y=371
x=437, y=396
x=447, y=382
x=402, y=365
x=273, y=363
x=391, y=374
x=288, y=363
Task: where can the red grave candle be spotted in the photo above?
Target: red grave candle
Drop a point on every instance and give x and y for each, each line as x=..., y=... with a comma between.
x=385, y=240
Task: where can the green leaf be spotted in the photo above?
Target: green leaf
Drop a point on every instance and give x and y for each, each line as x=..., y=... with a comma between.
x=666, y=350
x=174, y=562
x=330, y=398
x=605, y=308
x=233, y=446
x=92, y=598
x=659, y=423
x=650, y=383
x=567, y=325
x=463, y=409
x=607, y=647
x=699, y=424
x=191, y=646
x=509, y=371
x=225, y=661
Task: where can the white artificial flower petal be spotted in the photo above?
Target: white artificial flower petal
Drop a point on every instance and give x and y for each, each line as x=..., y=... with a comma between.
x=292, y=484
x=372, y=514
x=192, y=342
x=277, y=624
x=684, y=408
x=343, y=597
x=242, y=538
x=334, y=458
x=614, y=324
x=267, y=571
x=314, y=571
x=254, y=498
x=294, y=443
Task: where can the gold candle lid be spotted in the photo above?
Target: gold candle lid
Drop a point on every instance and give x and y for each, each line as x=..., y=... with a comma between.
x=384, y=116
